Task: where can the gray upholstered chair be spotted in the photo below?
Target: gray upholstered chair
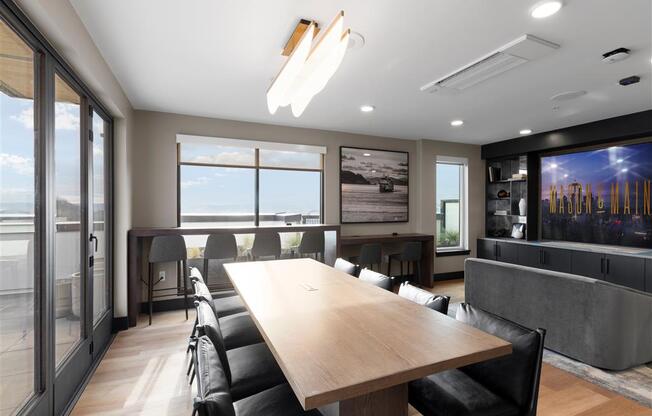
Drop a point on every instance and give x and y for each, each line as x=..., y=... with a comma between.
x=506, y=385
x=312, y=242
x=214, y=394
x=167, y=249
x=376, y=279
x=266, y=244
x=249, y=369
x=370, y=254
x=410, y=253
x=346, y=267
x=219, y=247
x=437, y=303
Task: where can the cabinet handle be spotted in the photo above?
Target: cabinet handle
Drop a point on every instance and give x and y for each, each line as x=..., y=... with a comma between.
x=607, y=266
x=602, y=265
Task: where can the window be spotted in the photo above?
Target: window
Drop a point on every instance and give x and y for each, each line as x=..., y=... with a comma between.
x=450, y=199
x=228, y=182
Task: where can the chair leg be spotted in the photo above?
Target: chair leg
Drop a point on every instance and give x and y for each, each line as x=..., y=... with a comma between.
x=150, y=290
x=184, y=276
x=192, y=377
x=192, y=335
x=206, y=271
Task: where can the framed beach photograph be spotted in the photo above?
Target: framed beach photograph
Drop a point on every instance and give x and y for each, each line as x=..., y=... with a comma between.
x=373, y=186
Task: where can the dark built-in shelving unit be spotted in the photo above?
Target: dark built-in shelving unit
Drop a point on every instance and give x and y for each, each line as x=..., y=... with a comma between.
x=497, y=223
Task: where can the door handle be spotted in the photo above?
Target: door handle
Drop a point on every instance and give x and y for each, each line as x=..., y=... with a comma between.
x=91, y=239
x=602, y=265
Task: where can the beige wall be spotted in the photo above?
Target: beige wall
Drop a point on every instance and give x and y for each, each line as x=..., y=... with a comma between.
x=61, y=26
x=155, y=176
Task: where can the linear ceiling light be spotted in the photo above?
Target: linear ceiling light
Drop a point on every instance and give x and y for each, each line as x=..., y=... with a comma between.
x=309, y=67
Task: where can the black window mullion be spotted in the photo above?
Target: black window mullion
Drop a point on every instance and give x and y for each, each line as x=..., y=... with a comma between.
x=257, y=190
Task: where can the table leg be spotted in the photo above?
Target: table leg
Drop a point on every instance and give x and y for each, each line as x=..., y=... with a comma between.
x=392, y=401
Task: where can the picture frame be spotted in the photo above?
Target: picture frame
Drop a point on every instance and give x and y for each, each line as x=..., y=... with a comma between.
x=374, y=186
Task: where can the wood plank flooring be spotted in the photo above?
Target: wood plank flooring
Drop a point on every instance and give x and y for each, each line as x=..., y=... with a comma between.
x=143, y=373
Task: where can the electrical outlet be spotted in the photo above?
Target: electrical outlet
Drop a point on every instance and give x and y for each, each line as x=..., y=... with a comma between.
x=161, y=275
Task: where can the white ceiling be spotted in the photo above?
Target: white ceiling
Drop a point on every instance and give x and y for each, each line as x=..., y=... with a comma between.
x=217, y=58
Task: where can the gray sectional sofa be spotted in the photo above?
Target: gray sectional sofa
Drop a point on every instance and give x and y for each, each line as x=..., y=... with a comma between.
x=593, y=321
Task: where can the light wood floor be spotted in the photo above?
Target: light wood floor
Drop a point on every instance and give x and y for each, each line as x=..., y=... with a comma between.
x=143, y=373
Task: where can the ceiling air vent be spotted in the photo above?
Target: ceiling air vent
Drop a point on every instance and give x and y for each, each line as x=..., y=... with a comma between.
x=524, y=49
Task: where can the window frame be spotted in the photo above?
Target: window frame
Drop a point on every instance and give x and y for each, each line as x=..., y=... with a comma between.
x=463, y=164
x=257, y=167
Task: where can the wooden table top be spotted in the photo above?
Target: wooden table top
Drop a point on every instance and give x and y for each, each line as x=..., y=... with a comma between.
x=384, y=238
x=336, y=337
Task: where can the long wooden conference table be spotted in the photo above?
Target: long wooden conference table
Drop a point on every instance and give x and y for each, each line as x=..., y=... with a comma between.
x=348, y=347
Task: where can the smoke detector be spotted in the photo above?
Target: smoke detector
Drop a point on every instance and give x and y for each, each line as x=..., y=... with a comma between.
x=615, y=55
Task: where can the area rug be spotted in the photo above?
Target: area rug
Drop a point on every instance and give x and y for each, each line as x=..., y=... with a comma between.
x=634, y=383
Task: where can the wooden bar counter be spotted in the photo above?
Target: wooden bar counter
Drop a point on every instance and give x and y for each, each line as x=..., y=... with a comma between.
x=137, y=237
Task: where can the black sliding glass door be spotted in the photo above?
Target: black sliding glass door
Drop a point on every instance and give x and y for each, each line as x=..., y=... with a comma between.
x=55, y=225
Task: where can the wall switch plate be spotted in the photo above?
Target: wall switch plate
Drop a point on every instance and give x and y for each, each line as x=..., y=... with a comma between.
x=161, y=275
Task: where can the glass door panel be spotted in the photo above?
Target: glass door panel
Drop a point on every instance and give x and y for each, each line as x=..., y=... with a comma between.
x=69, y=274
x=100, y=283
x=17, y=222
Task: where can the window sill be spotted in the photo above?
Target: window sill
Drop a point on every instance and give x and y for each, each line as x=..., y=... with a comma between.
x=448, y=253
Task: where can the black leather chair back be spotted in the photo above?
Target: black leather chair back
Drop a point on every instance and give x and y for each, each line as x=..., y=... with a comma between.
x=376, y=279
x=411, y=251
x=213, y=394
x=221, y=246
x=266, y=244
x=167, y=248
x=515, y=376
x=208, y=325
x=346, y=267
x=312, y=242
x=437, y=303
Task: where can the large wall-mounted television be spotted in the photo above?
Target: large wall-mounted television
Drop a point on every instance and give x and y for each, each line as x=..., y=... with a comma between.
x=601, y=196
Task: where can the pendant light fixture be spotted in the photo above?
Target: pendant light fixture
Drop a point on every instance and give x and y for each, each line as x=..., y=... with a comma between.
x=309, y=66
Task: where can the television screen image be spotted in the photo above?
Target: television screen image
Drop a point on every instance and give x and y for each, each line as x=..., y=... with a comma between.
x=598, y=196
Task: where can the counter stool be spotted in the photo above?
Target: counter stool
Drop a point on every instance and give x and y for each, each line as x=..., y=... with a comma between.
x=167, y=249
x=410, y=253
x=312, y=242
x=219, y=247
x=266, y=244
x=370, y=254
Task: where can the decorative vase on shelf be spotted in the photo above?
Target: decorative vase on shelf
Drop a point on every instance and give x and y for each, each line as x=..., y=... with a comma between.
x=522, y=207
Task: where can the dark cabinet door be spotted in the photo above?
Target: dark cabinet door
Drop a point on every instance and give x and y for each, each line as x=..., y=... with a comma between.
x=529, y=255
x=648, y=275
x=586, y=263
x=507, y=252
x=556, y=259
x=625, y=270
x=486, y=249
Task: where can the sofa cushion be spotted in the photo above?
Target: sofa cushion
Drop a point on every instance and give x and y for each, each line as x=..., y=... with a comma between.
x=276, y=401
x=253, y=369
x=239, y=330
x=454, y=393
x=521, y=365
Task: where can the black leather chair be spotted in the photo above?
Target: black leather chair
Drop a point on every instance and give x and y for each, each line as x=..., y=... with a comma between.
x=249, y=369
x=437, y=303
x=312, y=243
x=347, y=267
x=376, y=279
x=223, y=306
x=214, y=396
x=506, y=386
x=266, y=244
x=167, y=249
x=410, y=254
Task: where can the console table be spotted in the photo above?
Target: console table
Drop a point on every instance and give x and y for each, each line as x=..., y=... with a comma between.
x=137, y=237
x=428, y=252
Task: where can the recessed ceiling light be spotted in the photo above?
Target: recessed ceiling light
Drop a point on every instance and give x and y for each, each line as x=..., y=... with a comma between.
x=545, y=9
x=366, y=154
x=457, y=123
x=525, y=131
x=367, y=108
